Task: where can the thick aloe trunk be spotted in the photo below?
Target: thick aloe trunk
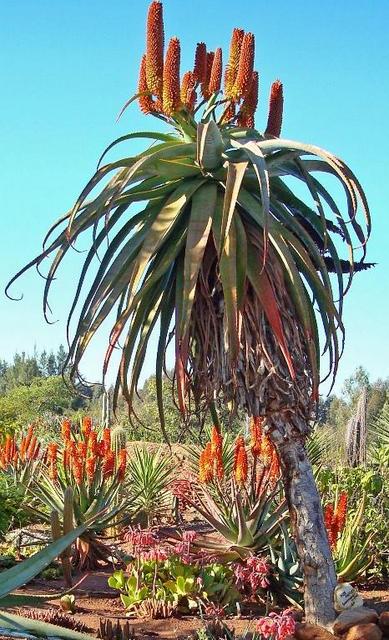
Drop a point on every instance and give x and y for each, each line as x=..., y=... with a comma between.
x=308, y=526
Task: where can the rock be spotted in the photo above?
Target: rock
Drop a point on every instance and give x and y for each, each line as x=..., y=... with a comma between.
x=351, y=617
x=368, y=631
x=384, y=622
x=305, y=631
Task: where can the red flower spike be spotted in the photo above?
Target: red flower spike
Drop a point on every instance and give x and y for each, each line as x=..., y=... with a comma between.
x=171, y=78
x=204, y=85
x=249, y=105
x=145, y=100
x=216, y=72
x=233, y=62
x=200, y=63
x=329, y=522
x=154, y=48
x=276, y=106
x=341, y=511
x=246, y=66
x=188, y=90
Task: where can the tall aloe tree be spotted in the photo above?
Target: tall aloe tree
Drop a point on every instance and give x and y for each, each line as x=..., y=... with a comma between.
x=226, y=237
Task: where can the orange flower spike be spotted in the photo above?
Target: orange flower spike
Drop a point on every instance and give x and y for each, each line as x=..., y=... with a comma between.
x=246, y=66
x=106, y=440
x=53, y=470
x=66, y=429
x=216, y=453
x=108, y=463
x=145, y=100
x=241, y=464
x=86, y=426
x=341, y=511
x=82, y=448
x=33, y=449
x=276, y=106
x=52, y=452
x=266, y=450
x=249, y=105
x=90, y=468
x=29, y=435
x=122, y=463
x=216, y=441
x=233, y=62
x=77, y=470
x=200, y=63
x=188, y=90
x=206, y=465
x=92, y=443
x=205, y=84
x=66, y=458
x=215, y=78
x=256, y=436
x=154, y=48
x=171, y=78
x=238, y=444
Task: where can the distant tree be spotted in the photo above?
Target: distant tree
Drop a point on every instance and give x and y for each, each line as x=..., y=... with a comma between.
x=52, y=368
x=61, y=358
x=43, y=363
x=43, y=397
x=22, y=371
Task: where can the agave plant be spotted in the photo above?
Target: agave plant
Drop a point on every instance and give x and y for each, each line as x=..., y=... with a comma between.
x=208, y=233
x=149, y=476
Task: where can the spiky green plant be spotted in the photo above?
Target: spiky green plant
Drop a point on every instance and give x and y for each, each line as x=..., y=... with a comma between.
x=224, y=234
x=149, y=476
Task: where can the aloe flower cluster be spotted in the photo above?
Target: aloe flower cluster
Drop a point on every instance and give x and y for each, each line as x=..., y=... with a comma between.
x=13, y=454
x=86, y=456
x=262, y=452
x=335, y=518
x=162, y=90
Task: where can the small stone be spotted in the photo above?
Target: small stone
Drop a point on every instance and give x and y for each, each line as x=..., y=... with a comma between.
x=368, y=631
x=352, y=617
x=305, y=631
x=384, y=622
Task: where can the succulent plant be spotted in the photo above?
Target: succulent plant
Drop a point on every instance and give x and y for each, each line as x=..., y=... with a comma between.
x=54, y=616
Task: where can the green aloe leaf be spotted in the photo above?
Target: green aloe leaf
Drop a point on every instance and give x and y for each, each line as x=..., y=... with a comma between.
x=20, y=574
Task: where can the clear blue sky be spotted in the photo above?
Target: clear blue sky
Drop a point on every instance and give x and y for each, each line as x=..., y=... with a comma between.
x=67, y=67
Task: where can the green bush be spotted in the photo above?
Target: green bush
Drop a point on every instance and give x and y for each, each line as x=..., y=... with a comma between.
x=12, y=513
